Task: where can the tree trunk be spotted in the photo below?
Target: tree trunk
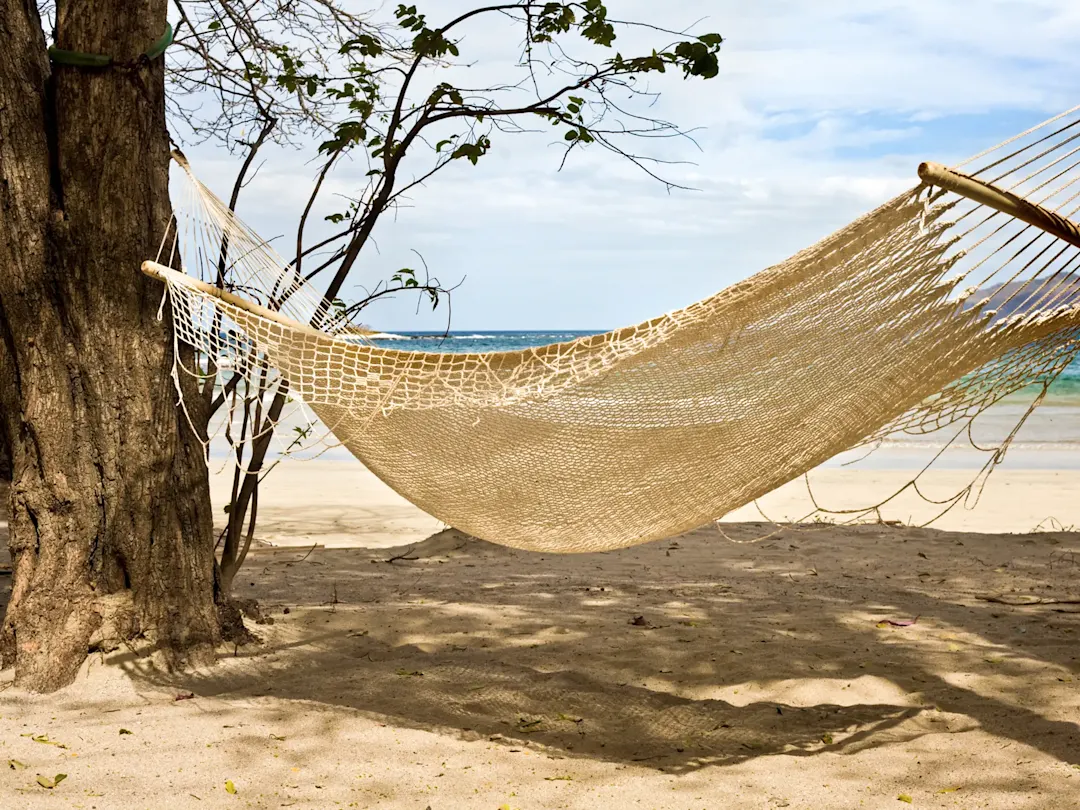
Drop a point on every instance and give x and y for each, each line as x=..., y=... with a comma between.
x=111, y=523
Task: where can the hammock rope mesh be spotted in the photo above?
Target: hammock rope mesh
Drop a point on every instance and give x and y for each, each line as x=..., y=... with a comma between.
x=915, y=318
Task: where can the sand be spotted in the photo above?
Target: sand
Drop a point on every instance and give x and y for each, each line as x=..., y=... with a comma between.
x=336, y=504
x=698, y=672
x=341, y=504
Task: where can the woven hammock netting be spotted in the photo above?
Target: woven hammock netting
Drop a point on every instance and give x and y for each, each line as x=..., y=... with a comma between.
x=914, y=318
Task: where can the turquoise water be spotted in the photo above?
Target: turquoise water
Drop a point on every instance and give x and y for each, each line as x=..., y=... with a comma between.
x=1067, y=385
x=1065, y=389
x=1049, y=439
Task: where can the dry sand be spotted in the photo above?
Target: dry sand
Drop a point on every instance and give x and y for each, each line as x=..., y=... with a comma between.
x=341, y=504
x=470, y=676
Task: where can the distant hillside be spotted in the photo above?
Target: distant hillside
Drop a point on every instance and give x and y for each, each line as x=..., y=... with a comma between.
x=1016, y=298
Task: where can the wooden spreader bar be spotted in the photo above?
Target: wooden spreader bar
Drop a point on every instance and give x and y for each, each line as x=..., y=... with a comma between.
x=1006, y=202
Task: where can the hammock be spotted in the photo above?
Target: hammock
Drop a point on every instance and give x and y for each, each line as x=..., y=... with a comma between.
x=916, y=317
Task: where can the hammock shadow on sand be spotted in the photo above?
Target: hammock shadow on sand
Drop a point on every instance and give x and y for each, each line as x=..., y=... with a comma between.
x=523, y=658
x=559, y=714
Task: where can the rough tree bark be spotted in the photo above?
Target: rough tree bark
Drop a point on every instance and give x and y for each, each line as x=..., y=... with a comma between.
x=109, y=496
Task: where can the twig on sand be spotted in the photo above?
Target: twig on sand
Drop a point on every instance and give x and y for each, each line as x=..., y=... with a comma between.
x=897, y=622
x=403, y=555
x=1023, y=600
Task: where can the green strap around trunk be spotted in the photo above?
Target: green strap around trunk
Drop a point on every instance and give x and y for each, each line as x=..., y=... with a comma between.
x=97, y=60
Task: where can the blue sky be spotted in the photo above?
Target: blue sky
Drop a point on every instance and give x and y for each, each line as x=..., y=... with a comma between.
x=821, y=111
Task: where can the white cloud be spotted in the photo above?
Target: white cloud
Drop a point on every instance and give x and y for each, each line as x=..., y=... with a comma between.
x=822, y=111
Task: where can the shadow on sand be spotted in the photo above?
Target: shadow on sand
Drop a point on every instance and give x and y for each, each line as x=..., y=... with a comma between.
x=741, y=651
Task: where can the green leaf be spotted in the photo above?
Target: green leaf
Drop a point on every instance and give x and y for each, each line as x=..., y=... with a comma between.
x=572, y=135
x=903, y=797
x=214, y=25
x=124, y=731
x=48, y=783
x=366, y=44
x=230, y=787
x=15, y=765
x=44, y=739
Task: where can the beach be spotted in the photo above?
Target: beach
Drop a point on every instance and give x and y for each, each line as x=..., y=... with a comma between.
x=741, y=665
x=323, y=495
x=749, y=663
x=753, y=482
x=340, y=504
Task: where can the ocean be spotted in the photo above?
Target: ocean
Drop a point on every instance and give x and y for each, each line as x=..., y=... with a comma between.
x=1065, y=391
x=1049, y=438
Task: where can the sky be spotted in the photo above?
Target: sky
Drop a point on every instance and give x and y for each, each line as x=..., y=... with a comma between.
x=821, y=112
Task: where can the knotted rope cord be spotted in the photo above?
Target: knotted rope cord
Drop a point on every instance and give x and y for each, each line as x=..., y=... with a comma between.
x=59, y=56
